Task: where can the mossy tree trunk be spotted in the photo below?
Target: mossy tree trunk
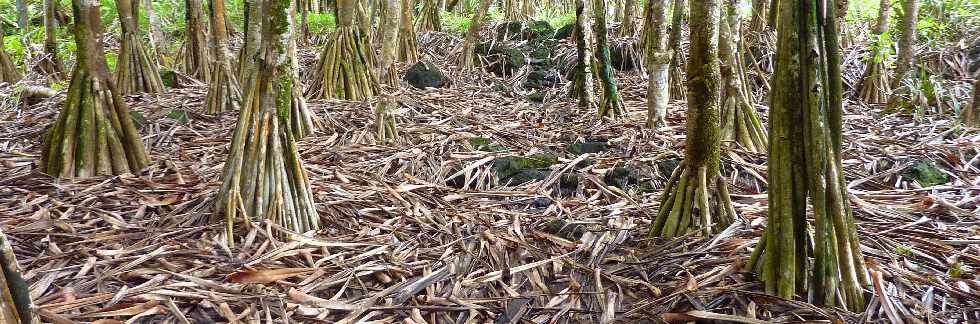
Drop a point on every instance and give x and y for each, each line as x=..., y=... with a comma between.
x=136, y=70
x=696, y=197
x=51, y=64
x=610, y=104
x=391, y=21
x=971, y=115
x=582, y=88
x=15, y=299
x=195, y=55
x=468, y=56
x=264, y=178
x=8, y=71
x=429, y=16
x=805, y=166
x=906, y=42
x=224, y=91
x=657, y=56
x=93, y=134
x=346, y=69
x=249, y=51
x=677, y=59
x=874, y=82
x=740, y=122
x=408, y=43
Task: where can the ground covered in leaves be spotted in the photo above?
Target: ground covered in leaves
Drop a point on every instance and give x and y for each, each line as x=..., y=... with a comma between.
x=490, y=206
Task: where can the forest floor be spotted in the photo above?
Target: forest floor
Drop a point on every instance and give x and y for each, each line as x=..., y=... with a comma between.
x=420, y=230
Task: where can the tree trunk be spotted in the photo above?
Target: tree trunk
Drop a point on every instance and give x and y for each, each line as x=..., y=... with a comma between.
x=610, y=105
x=51, y=65
x=906, y=42
x=196, y=58
x=760, y=12
x=740, y=122
x=249, y=52
x=94, y=133
x=391, y=21
x=657, y=56
x=971, y=116
x=346, y=69
x=468, y=56
x=264, y=176
x=429, y=16
x=582, y=87
x=24, y=28
x=15, y=299
x=677, y=64
x=628, y=27
x=408, y=44
x=696, y=197
x=157, y=39
x=136, y=70
x=805, y=166
x=874, y=82
x=8, y=71
x=224, y=91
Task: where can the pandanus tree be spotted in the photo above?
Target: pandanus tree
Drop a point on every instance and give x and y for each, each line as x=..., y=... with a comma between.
x=15, y=298
x=468, y=56
x=906, y=42
x=874, y=82
x=740, y=122
x=677, y=60
x=51, y=64
x=8, y=71
x=610, y=104
x=805, y=167
x=696, y=198
x=582, y=89
x=157, y=39
x=224, y=91
x=195, y=53
x=264, y=177
x=628, y=26
x=93, y=134
x=391, y=19
x=346, y=69
x=428, y=19
x=657, y=57
x=408, y=43
x=249, y=51
x=136, y=70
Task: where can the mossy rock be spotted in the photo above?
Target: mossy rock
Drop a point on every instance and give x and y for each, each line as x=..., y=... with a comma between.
x=667, y=167
x=486, y=145
x=511, y=30
x=525, y=176
x=503, y=60
x=622, y=178
x=179, y=115
x=169, y=77
x=588, y=147
x=925, y=173
x=508, y=166
x=540, y=54
x=567, y=185
x=560, y=228
x=536, y=96
x=564, y=32
x=541, y=29
x=541, y=79
x=624, y=56
x=138, y=119
x=458, y=181
x=425, y=75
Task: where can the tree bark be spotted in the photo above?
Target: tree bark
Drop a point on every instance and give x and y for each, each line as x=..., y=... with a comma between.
x=429, y=16
x=696, y=197
x=94, y=133
x=224, y=91
x=610, y=105
x=408, y=44
x=906, y=42
x=157, y=39
x=136, y=70
x=657, y=56
x=389, y=42
x=196, y=58
x=8, y=71
x=971, y=117
x=468, y=56
x=249, y=52
x=15, y=299
x=582, y=88
x=874, y=81
x=264, y=176
x=805, y=166
x=740, y=123
x=677, y=64
x=628, y=26
x=24, y=27
x=346, y=69
x=52, y=65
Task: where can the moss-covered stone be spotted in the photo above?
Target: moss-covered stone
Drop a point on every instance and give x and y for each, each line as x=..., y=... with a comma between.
x=567, y=185
x=560, y=228
x=138, y=119
x=486, y=145
x=541, y=29
x=666, y=167
x=925, y=173
x=510, y=30
x=622, y=177
x=169, y=78
x=503, y=60
x=517, y=170
x=564, y=32
x=425, y=75
x=179, y=115
x=541, y=79
x=588, y=147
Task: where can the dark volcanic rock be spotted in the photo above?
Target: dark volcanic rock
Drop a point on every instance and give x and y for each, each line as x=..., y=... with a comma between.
x=425, y=75
x=503, y=60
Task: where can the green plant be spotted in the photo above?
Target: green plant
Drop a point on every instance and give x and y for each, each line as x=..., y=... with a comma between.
x=456, y=23
x=320, y=23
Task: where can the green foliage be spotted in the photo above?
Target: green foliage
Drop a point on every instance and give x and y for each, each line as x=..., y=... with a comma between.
x=320, y=23
x=456, y=23
x=881, y=48
x=903, y=250
x=555, y=17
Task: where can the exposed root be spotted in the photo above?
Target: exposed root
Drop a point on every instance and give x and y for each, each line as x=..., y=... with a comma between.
x=385, y=127
x=8, y=71
x=345, y=70
x=429, y=16
x=740, y=122
x=875, y=85
x=408, y=40
x=136, y=70
x=224, y=92
x=15, y=299
x=690, y=205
